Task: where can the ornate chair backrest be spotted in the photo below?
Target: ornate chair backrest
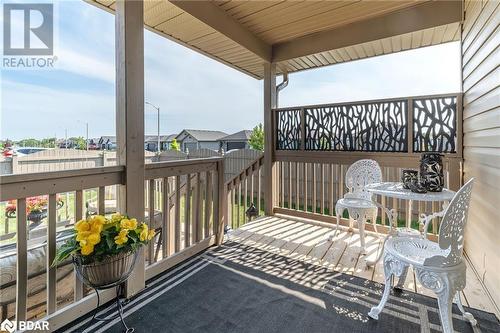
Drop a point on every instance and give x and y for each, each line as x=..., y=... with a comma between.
x=451, y=229
x=360, y=174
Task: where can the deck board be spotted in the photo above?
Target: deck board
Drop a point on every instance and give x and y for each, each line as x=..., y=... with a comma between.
x=308, y=242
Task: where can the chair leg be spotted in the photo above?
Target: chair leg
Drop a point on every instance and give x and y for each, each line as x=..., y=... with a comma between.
x=374, y=221
x=338, y=213
x=361, y=228
x=467, y=315
x=402, y=279
x=391, y=266
x=445, y=304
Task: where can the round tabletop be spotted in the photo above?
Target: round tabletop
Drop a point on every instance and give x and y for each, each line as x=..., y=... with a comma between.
x=396, y=190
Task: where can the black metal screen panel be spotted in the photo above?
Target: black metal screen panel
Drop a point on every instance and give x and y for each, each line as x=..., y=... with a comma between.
x=434, y=124
x=375, y=126
x=288, y=128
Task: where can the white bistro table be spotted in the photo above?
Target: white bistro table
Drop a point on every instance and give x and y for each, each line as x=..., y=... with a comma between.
x=396, y=190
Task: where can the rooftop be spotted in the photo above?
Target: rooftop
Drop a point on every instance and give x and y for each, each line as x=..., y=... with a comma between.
x=202, y=135
x=238, y=136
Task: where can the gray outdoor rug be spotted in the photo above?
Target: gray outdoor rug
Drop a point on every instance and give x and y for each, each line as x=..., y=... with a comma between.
x=238, y=288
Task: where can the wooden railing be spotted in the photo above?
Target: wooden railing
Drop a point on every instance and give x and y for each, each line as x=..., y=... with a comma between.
x=310, y=190
x=243, y=190
x=314, y=146
x=21, y=187
x=184, y=204
x=191, y=204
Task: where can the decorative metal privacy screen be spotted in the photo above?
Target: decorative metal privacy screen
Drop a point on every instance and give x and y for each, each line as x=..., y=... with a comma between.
x=288, y=130
x=377, y=126
x=359, y=127
x=434, y=124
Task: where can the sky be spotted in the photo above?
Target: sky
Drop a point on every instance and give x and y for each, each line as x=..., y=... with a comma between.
x=192, y=90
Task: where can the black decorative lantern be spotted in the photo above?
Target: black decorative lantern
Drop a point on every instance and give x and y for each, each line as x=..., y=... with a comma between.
x=251, y=212
x=431, y=171
x=408, y=177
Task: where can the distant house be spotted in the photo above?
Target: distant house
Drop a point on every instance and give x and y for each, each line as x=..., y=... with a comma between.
x=151, y=142
x=66, y=143
x=238, y=140
x=196, y=139
x=107, y=142
x=93, y=144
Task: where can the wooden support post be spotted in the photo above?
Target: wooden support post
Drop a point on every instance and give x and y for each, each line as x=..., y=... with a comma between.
x=177, y=208
x=269, y=105
x=187, y=212
x=196, y=209
x=78, y=288
x=129, y=46
x=220, y=203
x=51, y=254
x=22, y=262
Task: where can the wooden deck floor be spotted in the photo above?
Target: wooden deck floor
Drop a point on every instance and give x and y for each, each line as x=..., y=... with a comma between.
x=301, y=239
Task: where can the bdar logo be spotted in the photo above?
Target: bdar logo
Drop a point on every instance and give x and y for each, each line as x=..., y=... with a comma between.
x=8, y=326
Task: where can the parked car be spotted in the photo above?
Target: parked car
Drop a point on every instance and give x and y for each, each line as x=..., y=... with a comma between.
x=21, y=151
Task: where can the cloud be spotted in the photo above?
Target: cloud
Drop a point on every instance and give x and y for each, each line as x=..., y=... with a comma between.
x=86, y=65
x=35, y=111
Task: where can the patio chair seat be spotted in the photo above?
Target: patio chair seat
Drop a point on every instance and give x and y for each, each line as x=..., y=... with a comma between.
x=356, y=203
x=414, y=250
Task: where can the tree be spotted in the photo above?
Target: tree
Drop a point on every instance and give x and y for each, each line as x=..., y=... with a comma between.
x=256, y=140
x=175, y=145
x=80, y=143
x=48, y=142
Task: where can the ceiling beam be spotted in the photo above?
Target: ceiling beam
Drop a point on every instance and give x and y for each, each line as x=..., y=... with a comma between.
x=419, y=17
x=213, y=16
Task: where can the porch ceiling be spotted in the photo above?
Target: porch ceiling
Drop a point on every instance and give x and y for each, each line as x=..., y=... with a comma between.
x=299, y=35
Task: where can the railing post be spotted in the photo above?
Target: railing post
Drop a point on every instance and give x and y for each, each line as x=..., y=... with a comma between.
x=409, y=127
x=129, y=45
x=269, y=105
x=220, y=208
x=302, y=129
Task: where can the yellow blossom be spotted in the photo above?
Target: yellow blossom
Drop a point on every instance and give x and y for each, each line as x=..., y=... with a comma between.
x=99, y=219
x=94, y=238
x=122, y=237
x=143, y=236
x=128, y=224
x=82, y=235
x=82, y=225
x=96, y=227
x=116, y=217
x=151, y=234
x=87, y=249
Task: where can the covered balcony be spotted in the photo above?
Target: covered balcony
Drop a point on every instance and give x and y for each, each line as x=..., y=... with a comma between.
x=260, y=251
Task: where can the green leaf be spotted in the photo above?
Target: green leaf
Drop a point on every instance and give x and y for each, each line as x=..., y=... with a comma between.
x=110, y=242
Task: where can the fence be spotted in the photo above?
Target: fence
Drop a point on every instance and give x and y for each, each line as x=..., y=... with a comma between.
x=314, y=146
x=60, y=159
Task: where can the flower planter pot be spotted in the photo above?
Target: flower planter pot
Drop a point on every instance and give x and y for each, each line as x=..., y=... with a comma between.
x=107, y=273
x=37, y=216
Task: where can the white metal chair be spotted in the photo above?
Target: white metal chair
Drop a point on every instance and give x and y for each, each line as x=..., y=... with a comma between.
x=358, y=201
x=440, y=266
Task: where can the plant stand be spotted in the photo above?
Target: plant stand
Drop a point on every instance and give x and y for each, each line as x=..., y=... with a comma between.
x=119, y=308
x=111, y=273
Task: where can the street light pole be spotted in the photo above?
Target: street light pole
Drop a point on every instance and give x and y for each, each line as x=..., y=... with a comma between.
x=158, y=125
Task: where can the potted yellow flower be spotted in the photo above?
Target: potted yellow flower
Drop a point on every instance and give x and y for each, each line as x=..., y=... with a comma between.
x=104, y=250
